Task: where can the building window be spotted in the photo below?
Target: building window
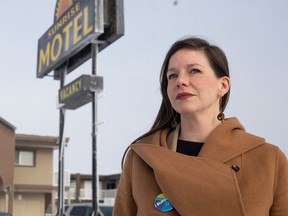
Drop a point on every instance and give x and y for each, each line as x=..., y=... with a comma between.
x=110, y=185
x=73, y=184
x=24, y=158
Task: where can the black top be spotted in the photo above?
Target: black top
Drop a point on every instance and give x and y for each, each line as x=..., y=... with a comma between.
x=188, y=147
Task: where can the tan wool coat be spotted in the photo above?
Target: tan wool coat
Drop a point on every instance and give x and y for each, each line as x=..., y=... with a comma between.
x=235, y=174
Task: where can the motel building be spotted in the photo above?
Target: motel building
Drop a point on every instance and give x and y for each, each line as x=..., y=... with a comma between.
x=28, y=183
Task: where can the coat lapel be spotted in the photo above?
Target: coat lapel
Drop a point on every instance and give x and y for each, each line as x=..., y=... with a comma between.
x=190, y=182
x=225, y=142
x=229, y=141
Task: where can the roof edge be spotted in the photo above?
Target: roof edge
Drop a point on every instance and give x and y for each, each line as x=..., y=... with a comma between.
x=7, y=123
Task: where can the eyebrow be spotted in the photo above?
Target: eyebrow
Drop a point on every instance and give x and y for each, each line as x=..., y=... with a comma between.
x=189, y=65
x=171, y=69
x=195, y=64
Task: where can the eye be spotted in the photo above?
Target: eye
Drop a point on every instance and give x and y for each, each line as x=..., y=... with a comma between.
x=172, y=76
x=194, y=71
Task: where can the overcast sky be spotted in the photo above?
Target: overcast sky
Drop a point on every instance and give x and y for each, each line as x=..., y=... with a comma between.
x=253, y=34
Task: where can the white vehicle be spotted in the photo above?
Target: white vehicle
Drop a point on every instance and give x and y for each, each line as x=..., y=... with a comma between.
x=85, y=209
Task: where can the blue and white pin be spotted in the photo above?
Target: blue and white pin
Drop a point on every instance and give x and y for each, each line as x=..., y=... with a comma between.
x=162, y=203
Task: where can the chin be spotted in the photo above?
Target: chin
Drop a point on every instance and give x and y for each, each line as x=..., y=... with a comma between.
x=186, y=111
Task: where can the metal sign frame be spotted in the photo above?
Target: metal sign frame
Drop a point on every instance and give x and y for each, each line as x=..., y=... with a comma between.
x=77, y=27
x=79, y=33
x=113, y=30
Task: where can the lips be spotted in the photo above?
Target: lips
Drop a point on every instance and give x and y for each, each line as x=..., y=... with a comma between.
x=183, y=96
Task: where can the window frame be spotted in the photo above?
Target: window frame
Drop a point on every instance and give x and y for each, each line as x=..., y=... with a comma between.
x=21, y=163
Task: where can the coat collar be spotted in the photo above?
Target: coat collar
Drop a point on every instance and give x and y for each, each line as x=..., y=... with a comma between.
x=183, y=178
x=225, y=142
x=190, y=182
x=228, y=141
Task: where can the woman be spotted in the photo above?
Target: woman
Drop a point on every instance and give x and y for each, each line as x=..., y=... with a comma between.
x=193, y=161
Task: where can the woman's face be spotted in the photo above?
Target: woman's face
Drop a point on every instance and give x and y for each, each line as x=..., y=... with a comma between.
x=193, y=87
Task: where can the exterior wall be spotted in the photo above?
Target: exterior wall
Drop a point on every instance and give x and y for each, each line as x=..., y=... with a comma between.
x=41, y=174
x=31, y=204
x=25, y=190
x=2, y=201
x=7, y=146
x=107, y=187
x=34, y=184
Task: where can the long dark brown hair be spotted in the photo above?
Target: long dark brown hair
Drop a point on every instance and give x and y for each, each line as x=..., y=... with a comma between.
x=217, y=59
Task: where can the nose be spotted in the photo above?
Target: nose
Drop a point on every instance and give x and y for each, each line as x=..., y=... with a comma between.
x=182, y=80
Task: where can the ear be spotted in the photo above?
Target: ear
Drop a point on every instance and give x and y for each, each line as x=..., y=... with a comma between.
x=224, y=85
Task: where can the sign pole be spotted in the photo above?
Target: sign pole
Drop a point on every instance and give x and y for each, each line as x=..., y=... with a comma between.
x=81, y=23
x=61, y=151
x=94, y=134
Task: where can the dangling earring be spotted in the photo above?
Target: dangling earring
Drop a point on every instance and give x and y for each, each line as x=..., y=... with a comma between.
x=174, y=124
x=221, y=115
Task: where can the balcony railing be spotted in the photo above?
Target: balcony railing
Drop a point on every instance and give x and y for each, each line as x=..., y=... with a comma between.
x=72, y=193
x=86, y=194
x=111, y=193
x=66, y=195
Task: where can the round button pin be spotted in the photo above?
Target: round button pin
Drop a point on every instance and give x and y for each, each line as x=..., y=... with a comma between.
x=162, y=204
